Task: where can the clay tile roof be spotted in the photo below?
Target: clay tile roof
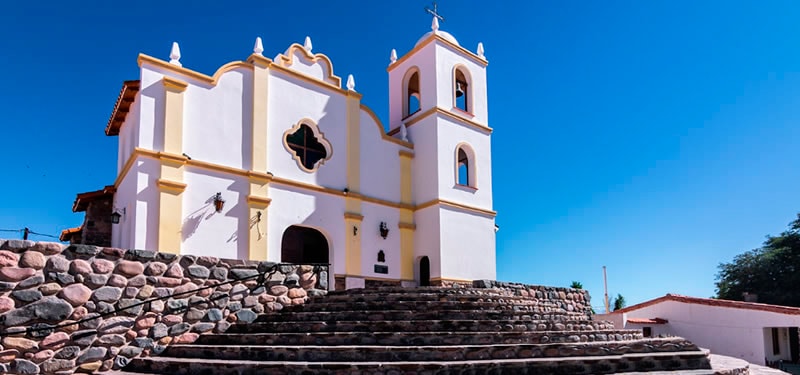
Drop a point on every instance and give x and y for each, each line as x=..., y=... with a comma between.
x=66, y=233
x=647, y=321
x=82, y=200
x=714, y=302
x=124, y=102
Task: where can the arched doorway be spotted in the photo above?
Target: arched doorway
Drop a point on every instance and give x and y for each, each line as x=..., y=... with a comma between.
x=424, y=272
x=303, y=245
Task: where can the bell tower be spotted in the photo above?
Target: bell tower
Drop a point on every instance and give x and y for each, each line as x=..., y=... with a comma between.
x=438, y=101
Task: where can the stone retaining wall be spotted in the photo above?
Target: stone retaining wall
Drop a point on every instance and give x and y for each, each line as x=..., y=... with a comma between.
x=166, y=299
x=566, y=299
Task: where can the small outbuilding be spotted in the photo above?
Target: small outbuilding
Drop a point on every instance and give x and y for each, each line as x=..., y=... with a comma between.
x=755, y=332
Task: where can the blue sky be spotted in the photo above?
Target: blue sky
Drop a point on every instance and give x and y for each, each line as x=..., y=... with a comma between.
x=655, y=138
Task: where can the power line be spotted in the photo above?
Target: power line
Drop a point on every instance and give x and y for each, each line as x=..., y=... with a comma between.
x=26, y=231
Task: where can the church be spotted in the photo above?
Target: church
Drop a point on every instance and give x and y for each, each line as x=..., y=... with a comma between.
x=276, y=159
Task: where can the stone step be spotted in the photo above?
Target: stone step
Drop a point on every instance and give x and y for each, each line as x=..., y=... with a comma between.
x=432, y=296
x=416, y=338
x=372, y=315
x=366, y=353
x=419, y=326
x=422, y=306
x=568, y=365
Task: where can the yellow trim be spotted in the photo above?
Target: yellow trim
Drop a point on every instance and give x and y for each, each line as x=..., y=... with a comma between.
x=407, y=154
x=318, y=134
x=125, y=168
x=477, y=210
x=374, y=278
x=172, y=186
x=382, y=130
x=174, y=85
x=259, y=61
x=455, y=116
x=480, y=61
x=209, y=80
x=354, y=216
x=286, y=59
x=411, y=226
x=258, y=202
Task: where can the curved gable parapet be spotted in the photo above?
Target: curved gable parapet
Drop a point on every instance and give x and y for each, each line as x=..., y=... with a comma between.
x=191, y=74
x=317, y=66
x=381, y=130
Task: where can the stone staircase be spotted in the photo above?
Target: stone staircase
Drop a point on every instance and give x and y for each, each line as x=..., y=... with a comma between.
x=433, y=330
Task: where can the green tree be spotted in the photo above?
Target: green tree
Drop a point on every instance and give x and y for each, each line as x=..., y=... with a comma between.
x=619, y=302
x=576, y=285
x=770, y=271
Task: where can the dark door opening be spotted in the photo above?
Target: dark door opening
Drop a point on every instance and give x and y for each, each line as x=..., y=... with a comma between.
x=302, y=245
x=794, y=344
x=424, y=272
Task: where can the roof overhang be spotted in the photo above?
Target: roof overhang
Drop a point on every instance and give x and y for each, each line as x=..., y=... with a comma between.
x=67, y=233
x=647, y=321
x=124, y=102
x=82, y=200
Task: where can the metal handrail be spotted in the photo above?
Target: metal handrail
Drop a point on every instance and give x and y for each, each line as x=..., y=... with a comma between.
x=262, y=279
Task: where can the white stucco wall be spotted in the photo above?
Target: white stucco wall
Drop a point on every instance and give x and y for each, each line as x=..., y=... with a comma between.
x=292, y=100
x=451, y=133
x=217, y=121
x=372, y=242
x=446, y=60
x=427, y=240
x=424, y=60
x=380, y=162
x=728, y=331
x=467, y=244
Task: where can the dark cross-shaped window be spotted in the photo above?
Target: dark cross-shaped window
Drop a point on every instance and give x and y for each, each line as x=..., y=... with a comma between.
x=305, y=144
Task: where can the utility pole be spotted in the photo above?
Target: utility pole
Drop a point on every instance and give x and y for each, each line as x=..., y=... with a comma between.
x=25, y=233
x=605, y=287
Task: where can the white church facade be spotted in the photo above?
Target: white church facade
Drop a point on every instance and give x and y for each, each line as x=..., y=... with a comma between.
x=273, y=159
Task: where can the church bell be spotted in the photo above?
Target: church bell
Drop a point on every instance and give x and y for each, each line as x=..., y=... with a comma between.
x=459, y=89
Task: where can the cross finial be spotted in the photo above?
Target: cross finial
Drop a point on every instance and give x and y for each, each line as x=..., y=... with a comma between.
x=434, y=12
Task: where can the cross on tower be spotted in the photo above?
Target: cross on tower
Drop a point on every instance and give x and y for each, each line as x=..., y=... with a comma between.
x=434, y=12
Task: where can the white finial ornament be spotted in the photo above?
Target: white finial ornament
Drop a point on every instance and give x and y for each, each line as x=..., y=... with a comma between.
x=393, y=56
x=351, y=83
x=403, y=132
x=435, y=24
x=175, y=54
x=258, y=48
x=307, y=45
x=480, y=50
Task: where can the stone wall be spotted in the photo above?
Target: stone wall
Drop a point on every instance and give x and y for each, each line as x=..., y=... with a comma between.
x=549, y=297
x=85, y=308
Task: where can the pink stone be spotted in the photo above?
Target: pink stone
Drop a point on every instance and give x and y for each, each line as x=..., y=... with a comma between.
x=80, y=267
x=130, y=335
x=145, y=321
x=42, y=355
x=266, y=298
x=129, y=268
x=155, y=269
x=204, y=292
x=298, y=301
x=6, y=304
x=117, y=281
x=8, y=355
x=32, y=259
x=175, y=270
x=277, y=290
x=171, y=319
x=186, y=338
x=79, y=313
x=207, y=261
x=297, y=293
x=142, y=332
x=184, y=288
x=55, y=340
x=102, y=266
x=168, y=282
x=8, y=259
x=75, y=294
x=14, y=274
x=20, y=343
x=308, y=280
x=48, y=248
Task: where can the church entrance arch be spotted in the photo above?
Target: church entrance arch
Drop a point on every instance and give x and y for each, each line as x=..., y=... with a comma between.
x=424, y=271
x=304, y=245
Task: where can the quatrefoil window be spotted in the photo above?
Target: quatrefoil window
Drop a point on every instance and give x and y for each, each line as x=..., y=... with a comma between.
x=308, y=146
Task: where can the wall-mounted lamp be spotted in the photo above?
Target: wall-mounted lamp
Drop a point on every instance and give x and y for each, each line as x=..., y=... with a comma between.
x=258, y=216
x=345, y=191
x=355, y=230
x=116, y=215
x=218, y=202
x=384, y=230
